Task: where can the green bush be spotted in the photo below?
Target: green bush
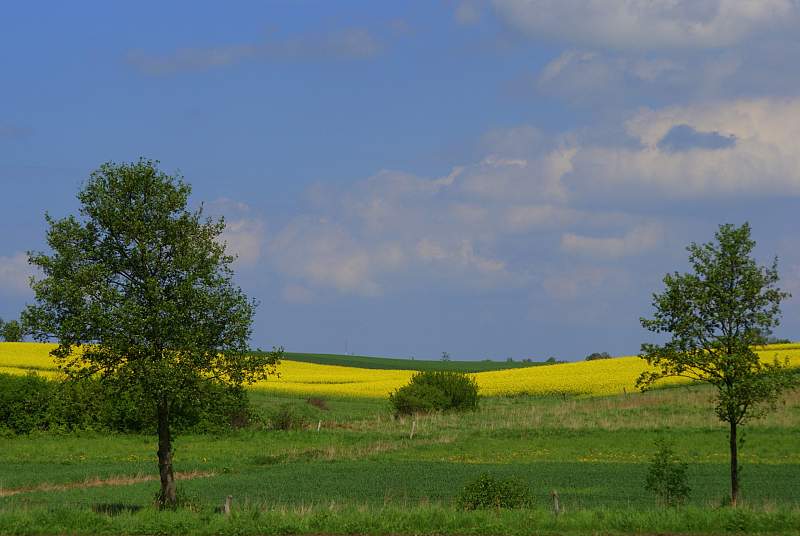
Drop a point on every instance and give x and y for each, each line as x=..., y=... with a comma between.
x=417, y=398
x=435, y=391
x=286, y=417
x=666, y=476
x=30, y=403
x=24, y=403
x=488, y=491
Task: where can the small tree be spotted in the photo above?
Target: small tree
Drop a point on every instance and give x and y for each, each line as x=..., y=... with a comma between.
x=139, y=290
x=666, y=476
x=11, y=331
x=715, y=315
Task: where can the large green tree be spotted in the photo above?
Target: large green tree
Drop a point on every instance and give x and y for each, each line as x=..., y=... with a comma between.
x=715, y=315
x=138, y=289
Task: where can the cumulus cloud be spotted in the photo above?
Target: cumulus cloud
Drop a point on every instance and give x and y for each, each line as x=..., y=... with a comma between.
x=348, y=44
x=588, y=76
x=744, y=147
x=15, y=273
x=243, y=238
x=624, y=80
x=509, y=218
x=501, y=178
x=484, y=224
x=324, y=254
x=244, y=234
x=646, y=24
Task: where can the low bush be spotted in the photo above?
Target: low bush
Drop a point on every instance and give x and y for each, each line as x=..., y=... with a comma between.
x=598, y=355
x=488, y=491
x=666, y=476
x=317, y=402
x=33, y=403
x=435, y=391
x=286, y=417
x=293, y=415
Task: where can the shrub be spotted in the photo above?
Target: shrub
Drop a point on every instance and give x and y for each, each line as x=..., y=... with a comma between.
x=317, y=402
x=435, y=390
x=598, y=355
x=666, y=477
x=286, y=417
x=24, y=402
x=417, y=398
x=488, y=491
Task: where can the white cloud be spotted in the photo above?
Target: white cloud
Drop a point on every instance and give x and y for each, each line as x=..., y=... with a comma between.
x=244, y=233
x=764, y=160
x=465, y=228
x=646, y=24
x=244, y=238
x=460, y=256
x=537, y=178
x=324, y=254
x=15, y=273
x=511, y=217
x=636, y=241
x=590, y=76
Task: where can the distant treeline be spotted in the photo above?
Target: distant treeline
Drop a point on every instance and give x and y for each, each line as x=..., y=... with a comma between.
x=389, y=363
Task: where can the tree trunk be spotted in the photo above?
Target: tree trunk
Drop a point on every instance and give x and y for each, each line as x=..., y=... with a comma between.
x=734, y=464
x=168, y=496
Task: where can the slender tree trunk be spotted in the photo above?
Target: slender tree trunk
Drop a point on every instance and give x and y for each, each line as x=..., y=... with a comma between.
x=168, y=496
x=734, y=464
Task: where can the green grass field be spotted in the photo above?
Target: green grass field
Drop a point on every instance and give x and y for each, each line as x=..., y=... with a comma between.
x=389, y=363
x=593, y=451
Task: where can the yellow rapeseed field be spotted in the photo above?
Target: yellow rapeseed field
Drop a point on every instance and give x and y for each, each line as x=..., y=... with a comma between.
x=311, y=378
x=600, y=377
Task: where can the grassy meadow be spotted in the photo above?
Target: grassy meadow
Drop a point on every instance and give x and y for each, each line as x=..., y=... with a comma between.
x=580, y=429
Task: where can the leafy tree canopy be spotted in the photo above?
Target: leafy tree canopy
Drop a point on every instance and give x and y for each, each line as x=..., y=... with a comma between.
x=139, y=288
x=715, y=315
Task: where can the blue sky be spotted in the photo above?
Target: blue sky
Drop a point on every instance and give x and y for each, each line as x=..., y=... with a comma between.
x=508, y=178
